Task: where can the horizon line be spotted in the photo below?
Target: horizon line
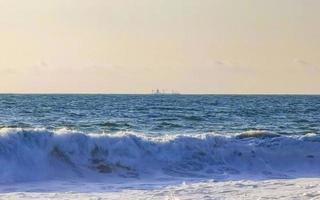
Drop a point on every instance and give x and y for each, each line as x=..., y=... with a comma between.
x=164, y=94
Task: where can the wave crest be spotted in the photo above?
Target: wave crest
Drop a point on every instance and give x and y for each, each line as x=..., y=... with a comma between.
x=39, y=154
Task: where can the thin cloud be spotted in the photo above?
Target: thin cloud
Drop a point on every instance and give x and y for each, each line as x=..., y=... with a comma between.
x=8, y=70
x=307, y=65
x=41, y=66
x=229, y=66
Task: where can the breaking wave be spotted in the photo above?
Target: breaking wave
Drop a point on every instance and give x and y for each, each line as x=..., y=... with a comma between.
x=40, y=154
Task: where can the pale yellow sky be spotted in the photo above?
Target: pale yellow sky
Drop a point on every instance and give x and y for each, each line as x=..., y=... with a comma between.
x=134, y=46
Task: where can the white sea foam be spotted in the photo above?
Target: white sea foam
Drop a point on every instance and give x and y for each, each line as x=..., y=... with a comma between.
x=302, y=189
x=39, y=154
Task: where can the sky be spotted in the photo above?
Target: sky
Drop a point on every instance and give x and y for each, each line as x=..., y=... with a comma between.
x=135, y=46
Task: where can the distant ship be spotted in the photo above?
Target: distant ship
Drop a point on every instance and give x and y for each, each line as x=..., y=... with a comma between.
x=163, y=92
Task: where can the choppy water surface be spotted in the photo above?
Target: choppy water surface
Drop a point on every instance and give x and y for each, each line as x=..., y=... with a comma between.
x=158, y=137
x=169, y=114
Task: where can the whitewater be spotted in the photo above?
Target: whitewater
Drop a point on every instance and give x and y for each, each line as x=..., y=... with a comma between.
x=33, y=155
x=38, y=163
x=159, y=147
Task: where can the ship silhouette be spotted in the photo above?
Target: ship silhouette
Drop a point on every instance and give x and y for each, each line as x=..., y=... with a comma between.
x=164, y=92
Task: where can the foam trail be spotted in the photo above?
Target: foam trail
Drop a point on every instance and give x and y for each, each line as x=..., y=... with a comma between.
x=39, y=154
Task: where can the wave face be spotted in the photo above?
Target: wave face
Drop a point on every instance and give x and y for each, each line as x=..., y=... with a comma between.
x=39, y=154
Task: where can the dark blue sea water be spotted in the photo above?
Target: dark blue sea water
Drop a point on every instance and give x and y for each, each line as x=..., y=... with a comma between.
x=163, y=114
x=158, y=137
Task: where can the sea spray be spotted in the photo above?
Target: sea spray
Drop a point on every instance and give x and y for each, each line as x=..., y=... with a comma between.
x=40, y=154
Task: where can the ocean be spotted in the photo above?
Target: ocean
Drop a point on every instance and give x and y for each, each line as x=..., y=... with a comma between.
x=151, y=141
